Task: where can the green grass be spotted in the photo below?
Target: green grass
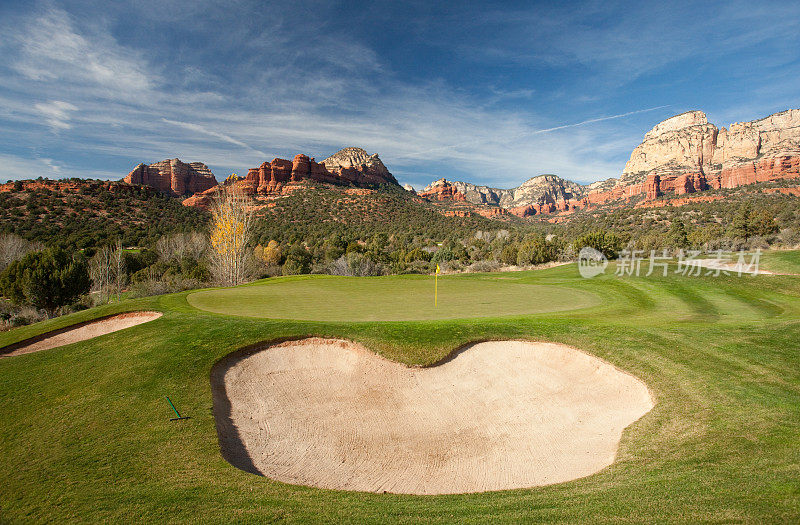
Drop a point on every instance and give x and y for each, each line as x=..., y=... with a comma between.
x=781, y=261
x=85, y=434
x=398, y=298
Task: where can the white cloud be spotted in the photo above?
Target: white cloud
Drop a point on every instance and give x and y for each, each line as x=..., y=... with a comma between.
x=15, y=167
x=312, y=92
x=222, y=136
x=56, y=113
x=52, y=48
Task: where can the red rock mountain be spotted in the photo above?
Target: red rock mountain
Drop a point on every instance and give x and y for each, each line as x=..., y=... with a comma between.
x=173, y=176
x=681, y=155
x=350, y=166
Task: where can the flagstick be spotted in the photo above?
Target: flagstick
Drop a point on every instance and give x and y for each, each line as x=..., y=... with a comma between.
x=436, y=287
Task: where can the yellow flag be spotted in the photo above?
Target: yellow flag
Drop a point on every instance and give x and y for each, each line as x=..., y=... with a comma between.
x=436, y=287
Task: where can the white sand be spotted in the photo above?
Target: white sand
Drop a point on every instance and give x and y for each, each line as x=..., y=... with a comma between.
x=500, y=415
x=82, y=332
x=731, y=267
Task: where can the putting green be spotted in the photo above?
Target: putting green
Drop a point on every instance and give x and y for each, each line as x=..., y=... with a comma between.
x=406, y=298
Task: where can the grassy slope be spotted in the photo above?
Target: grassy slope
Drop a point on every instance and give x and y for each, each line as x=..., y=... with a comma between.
x=85, y=431
x=781, y=261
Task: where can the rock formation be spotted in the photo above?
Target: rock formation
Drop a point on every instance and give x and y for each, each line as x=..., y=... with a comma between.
x=686, y=154
x=357, y=166
x=443, y=190
x=542, y=192
x=681, y=155
x=173, y=176
x=350, y=166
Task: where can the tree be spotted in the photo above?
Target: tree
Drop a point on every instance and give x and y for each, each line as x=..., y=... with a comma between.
x=442, y=255
x=536, y=251
x=14, y=247
x=606, y=243
x=270, y=254
x=354, y=265
x=749, y=222
x=107, y=270
x=740, y=225
x=298, y=261
x=509, y=254
x=231, y=229
x=181, y=245
x=45, y=280
x=762, y=223
x=677, y=236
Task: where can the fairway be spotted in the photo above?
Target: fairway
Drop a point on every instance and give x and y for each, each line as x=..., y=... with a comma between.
x=87, y=436
x=396, y=298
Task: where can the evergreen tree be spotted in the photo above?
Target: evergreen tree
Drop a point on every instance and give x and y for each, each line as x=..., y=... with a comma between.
x=45, y=280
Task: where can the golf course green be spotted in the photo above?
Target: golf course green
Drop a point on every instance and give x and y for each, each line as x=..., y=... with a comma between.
x=397, y=298
x=86, y=432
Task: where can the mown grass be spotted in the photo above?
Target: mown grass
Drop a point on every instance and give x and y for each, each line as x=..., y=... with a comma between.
x=396, y=298
x=781, y=261
x=86, y=435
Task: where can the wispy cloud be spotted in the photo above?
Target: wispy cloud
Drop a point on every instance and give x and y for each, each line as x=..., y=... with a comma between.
x=56, y=113
x=222, y=136
x=599, y=119
x=101, y=89
x=50, y=48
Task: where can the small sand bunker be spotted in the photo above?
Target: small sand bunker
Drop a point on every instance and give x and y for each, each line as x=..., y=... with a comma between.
x=79, y=332
x=499, y=415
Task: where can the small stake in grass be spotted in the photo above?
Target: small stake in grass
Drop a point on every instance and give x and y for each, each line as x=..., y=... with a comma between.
x=176, y=411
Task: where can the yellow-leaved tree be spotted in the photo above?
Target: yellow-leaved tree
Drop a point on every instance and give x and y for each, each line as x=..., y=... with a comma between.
x=270, y=254
x=231, y=229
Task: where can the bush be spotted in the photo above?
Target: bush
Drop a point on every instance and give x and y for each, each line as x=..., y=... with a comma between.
x=484, y=267
x=354, y=265
x=509, y=254
x=298, y=261
x=45, y=280
x=606, y=243
x=536, y=251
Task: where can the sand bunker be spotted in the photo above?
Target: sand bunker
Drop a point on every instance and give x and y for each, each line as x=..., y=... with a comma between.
x=499, y=415
x=737, y=268
x=79, y=332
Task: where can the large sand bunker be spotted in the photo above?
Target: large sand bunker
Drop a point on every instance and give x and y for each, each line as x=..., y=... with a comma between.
x=498, y=415
x=79, y=332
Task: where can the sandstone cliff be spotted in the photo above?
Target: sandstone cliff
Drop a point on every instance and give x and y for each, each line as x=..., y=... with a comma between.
x=173, y=176
x=357, y=166
x=350, y=166
x=536, y=195
x=683, y=154
x=686, y=154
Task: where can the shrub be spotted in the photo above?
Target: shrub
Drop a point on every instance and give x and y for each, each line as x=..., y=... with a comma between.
x=45, y=280
x=606, y=243
x=354, y=265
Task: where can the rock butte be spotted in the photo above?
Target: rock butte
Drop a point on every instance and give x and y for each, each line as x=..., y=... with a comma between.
x=498, y=415
x=348, y=167
x=173, y=176
x=681, y=155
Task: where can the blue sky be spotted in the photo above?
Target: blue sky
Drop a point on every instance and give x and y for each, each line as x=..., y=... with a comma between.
x=492, y=93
